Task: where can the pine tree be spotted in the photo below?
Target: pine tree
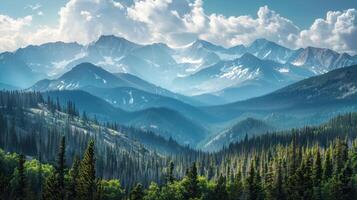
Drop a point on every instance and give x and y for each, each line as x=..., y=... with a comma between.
x=327, y=167
x=269, y=184
x=60, y=169
x=317, y=169
x=306, y=180
x=73, y=179
x=317, y=175
x=170, y=174
x=192, y=189
x=342, y=185
x=220, y=191
x=347, y=187
x=86, y=188
x=340, y=155
x=51, y=189
x=253, y=188
x=279, y=187
x=235, y=188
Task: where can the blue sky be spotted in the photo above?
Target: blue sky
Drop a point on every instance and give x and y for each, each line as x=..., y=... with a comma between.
x=21, y=8
x=300, y=23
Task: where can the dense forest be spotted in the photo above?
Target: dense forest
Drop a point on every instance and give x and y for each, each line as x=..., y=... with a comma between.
x=53, y=152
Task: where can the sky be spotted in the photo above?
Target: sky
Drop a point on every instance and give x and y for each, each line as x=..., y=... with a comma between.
x=294, y=24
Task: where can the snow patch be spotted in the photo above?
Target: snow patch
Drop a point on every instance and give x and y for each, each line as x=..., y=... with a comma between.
x=131, y=100
x=351, y=90
x=284, y=70
x=267, y=54
x=153, y=126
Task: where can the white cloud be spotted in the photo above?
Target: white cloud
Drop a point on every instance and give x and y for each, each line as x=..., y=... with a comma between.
x=338, y=31
x=87, y=15
x=11, y=31
x=178, y=22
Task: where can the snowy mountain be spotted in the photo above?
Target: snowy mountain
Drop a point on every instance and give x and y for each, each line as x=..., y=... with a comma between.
x=245, y=77
x=150, y=61
x=320, y=60
x=310, y=101
x=265, y=49
x=82, y=75
x=89, y=75
x=50, y=58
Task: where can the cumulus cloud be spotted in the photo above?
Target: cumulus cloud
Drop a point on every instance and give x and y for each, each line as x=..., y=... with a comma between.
x=11, y=31
x=179, y=22
x=338, y=31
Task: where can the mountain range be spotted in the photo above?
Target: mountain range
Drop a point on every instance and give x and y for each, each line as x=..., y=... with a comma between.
x=310, y=101
x=175, y=68
x=198, y=95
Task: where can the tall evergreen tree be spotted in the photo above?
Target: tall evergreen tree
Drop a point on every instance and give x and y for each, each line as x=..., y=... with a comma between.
x=87, y=184
x=252, y=185
x=192, y=189
x=317, y=175
x=279, y=186
x=51, y=190
x=327, y=167
x=60, y=168
x=269, y=184
x=73, y=179
x=170, y=174
x=235, y=188
x=220, y=191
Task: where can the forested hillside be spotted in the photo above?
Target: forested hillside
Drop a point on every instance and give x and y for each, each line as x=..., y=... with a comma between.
x=65, y=155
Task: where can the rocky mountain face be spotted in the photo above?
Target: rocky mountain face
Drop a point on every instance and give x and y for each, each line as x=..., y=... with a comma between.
x=164, y=66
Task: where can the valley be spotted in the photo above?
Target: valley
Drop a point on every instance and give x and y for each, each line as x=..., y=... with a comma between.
x=160, y=116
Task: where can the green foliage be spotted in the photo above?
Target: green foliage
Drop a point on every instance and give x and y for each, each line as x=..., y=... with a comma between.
x=153, y=192
x=111, y=190
x=137, y=193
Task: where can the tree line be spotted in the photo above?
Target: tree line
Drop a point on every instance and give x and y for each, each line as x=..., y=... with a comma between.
x=290, y=172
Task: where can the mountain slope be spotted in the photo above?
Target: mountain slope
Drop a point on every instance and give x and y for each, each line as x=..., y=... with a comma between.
x=245, y=77
x=248, y=127
x=82, y=75
x=308, y=101
x=163, y=121
x=50, y=58
x=87, y=74
x=320, y=60
x=132, y=99
x=16, y=72
x=268, y=50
